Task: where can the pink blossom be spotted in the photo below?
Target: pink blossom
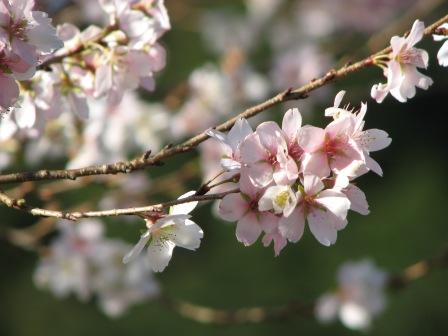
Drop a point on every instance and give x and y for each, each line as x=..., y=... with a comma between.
x=243, y=208
x=29, y=32
x=231, y=142
x=331, y=149
x=367, y=140
x=265, y=153
x=401, y=68
x=325, y=210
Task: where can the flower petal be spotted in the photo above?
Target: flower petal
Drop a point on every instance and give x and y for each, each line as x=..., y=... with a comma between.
x=232, y=207
x=187, y=235
x=321, y=227
x=248, y=229
x=292, y=227
x=137, y=249
x=160, y=253
x=184, y=208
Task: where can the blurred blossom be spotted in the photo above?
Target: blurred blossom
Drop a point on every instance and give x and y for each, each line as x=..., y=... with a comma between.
x=91, y=11
x=261, y=10
x=216, y=93
x=113, y=132
x=298, y=66
x=132, y=190
x=359, y=298
x=83, y=262
x=224, y=31
x=320, y=17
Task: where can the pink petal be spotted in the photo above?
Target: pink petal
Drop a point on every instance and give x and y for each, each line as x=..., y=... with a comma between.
x=321, y=227
x=312, y=184
x=292, y=227
x=311, y=138
x=316, y=164
x=233, y=207
x=292, y=121
x=270, y=136
x=248, y=229
x=336, y=202
x=358, y=201
x=252, y=150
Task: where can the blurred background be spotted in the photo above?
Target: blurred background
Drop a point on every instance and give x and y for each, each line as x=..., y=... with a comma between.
x=223, y=56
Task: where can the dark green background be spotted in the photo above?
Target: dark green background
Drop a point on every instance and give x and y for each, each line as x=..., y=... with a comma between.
x=408, y=222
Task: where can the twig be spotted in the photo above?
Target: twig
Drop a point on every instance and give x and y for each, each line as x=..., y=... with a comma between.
x=20, y=204
x=295, y=308
x=143, y=161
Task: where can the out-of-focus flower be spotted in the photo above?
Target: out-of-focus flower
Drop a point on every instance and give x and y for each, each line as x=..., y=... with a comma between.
x=359, y=298
x=401, y=66
x=82, y=261
x=167, y=232
x=442, y=55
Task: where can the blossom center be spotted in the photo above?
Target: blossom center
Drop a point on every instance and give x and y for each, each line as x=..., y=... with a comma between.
x=19, y=30
x=281, y=199
x=409, y=56
x=333, y=146
x=295, y=151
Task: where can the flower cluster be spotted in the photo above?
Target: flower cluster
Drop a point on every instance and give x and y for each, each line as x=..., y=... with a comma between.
x=94, y=63
x=83, y=262
x=360, y=296
x=26, y=36
x=296, y=173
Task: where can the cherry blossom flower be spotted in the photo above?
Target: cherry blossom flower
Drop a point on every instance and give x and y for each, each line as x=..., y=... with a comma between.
x=126, y=69
x=325, y=210
x=243, y=209
x=442, y=55
x=401, y=68
x=331, y=149
x=231, y=143
x=265, y=153
x=30, y=33
x=367, y=140
x=359, y=298
x=167, y=232
x=279, y=198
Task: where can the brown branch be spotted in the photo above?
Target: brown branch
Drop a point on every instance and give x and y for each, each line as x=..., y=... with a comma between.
x=295, y=308
x=20, y=204
x=145, y=161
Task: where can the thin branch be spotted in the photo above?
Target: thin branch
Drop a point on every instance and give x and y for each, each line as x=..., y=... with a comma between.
x=295, y=308
x=145, y=160
x=20, y=204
